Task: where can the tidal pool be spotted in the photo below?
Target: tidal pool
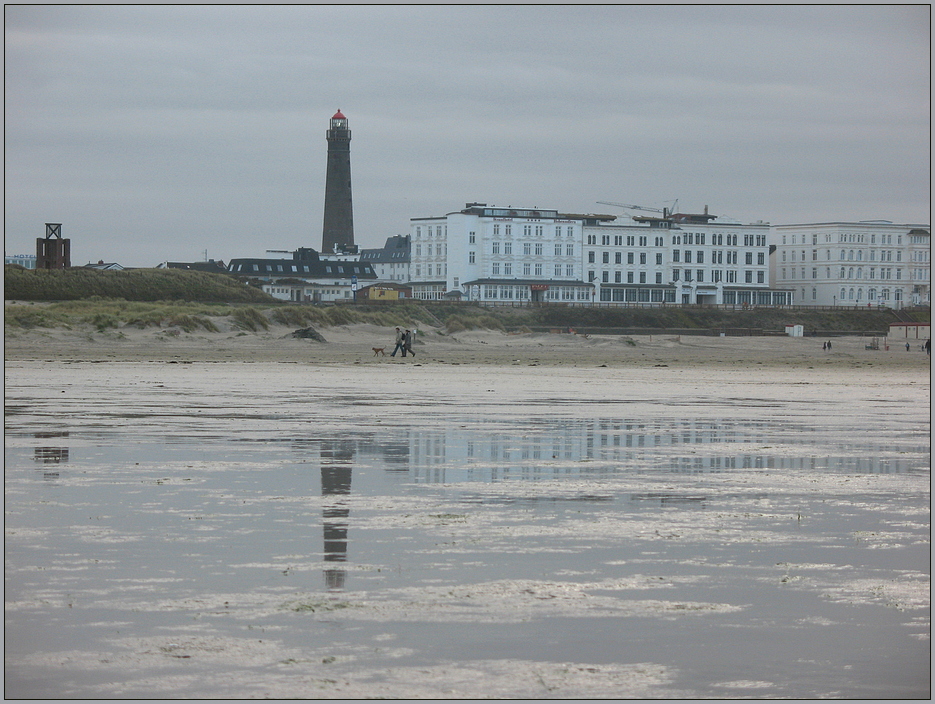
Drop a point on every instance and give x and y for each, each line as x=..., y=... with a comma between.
x=238, y=530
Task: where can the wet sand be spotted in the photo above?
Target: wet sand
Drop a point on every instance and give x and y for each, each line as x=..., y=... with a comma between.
x=520, y=516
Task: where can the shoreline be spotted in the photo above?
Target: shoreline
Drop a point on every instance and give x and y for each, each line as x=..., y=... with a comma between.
x=353, y=344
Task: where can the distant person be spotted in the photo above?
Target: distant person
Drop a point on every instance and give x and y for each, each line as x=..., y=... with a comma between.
x=407, y=343
x=824, y=345
x=399, y=343
x=928, y=346
x=829, y=345
x=907, y=347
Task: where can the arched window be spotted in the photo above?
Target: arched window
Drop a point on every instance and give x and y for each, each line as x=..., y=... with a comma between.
x=850, y=273
x=850, y=256
x=860, y=294
x=860, y=255
x=850, y=295
x=860, y=273
x=843, y=293
x=871, y=294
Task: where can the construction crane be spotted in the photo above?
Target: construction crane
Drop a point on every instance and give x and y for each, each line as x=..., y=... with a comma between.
x=632, y=207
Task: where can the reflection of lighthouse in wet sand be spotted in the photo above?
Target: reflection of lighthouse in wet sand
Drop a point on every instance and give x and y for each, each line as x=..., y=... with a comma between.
x=336, y=483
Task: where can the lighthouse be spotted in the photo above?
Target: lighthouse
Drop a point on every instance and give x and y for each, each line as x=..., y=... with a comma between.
x=338, y=230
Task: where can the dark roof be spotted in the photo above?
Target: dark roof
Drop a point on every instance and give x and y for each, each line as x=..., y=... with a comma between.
x=310, y=268
x=210, y=266
x=103, y=266
x=395, y=251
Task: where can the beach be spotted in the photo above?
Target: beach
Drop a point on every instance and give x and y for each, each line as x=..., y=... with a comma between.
x=353, y=344
x=539, y=515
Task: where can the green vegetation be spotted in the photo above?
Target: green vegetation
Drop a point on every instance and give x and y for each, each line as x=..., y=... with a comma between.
x=103, y=313
x=131, y=285
x=107, y=313
x=198, y=301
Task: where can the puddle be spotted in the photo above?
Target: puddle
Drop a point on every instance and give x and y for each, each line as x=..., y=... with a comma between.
x=272, y=531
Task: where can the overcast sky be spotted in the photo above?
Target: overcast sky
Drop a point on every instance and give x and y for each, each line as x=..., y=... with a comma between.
x=159, y=133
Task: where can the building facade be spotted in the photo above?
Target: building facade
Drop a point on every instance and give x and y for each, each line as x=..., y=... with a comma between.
x=682, y=258
x=391, y=262
x=871, y=263
x=508, y=255
x=27, y=261
x=498, y=254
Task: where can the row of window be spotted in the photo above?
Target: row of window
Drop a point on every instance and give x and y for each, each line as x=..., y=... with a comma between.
x=848, y=273
x=850, y=294
x=441, y=250
x=529, y=269
x=857, y=238
x=717, y=257
x=428, y=231
x=638, y=295
x=631, y=277
x=851, y=255
x=631, y=258
x=530, y=230
x=694, y=238
x=295, y=269
x=530, y=248
x=632, y=240
x=760, y=298
x=687, y=275
x=432, y=270
x=493, y=292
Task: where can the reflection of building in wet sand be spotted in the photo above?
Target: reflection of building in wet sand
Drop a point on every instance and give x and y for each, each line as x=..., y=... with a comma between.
x=51, y=455
x=586, y=448
x=336, y=466
x=578, y=448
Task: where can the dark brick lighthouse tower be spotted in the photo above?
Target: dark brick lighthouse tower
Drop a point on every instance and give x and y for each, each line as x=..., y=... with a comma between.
x=339, y=211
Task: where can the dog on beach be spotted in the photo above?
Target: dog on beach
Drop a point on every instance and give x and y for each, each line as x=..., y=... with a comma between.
x=379, y=350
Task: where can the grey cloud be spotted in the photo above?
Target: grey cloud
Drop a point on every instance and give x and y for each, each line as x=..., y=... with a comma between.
x=156, y=132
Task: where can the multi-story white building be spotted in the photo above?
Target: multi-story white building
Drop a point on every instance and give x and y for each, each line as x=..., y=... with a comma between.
x=875, y=263
x=681, y=258
x=509, y=254
x=512, y=254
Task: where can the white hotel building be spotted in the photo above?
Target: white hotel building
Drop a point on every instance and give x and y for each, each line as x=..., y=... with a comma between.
x=507, y=255
x=875, y=263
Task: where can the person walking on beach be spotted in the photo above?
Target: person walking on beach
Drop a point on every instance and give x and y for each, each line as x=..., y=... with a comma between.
x=928, y=346
x=399, y=343
x=407, y=343
x=907, y=347
x=829, y=344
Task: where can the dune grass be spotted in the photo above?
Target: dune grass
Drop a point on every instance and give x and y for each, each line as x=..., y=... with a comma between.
x=130, y=285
